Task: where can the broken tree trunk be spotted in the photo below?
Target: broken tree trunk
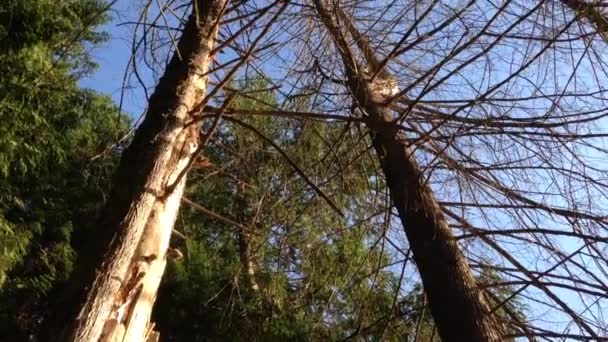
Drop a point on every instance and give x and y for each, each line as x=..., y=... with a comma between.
x=457, y=304
x=138, y=219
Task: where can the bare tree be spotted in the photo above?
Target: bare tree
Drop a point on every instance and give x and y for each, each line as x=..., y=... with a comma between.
x=142, y=208
x=457, y=304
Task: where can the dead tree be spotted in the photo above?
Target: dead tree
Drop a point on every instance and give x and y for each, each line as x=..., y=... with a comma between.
x=457, y=304
x=139, y=216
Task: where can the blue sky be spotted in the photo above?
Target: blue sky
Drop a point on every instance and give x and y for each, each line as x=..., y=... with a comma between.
x=113, y=58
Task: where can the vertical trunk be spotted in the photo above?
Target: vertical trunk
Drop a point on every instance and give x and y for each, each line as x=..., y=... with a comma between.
x=458, y=306
x=247, y=259
x=136, y=226
x=245, y=241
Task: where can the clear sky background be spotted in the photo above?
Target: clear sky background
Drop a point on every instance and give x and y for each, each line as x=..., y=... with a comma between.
x=113, y=58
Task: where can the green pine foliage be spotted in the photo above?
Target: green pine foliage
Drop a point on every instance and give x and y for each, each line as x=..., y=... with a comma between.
x=318, y=277
x=321, y=277
x=50, y=129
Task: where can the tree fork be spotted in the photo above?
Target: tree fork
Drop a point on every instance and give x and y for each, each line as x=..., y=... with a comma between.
x=129, y=253
x=457, y=304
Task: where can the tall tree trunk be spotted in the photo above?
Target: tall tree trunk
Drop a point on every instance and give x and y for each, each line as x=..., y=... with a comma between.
x=245, y=240
x=458, y=306
x=138, y=219
x=247, y=262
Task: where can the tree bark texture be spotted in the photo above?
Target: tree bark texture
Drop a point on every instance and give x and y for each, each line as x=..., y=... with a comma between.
x=246, y=256
x=457, y=304
x=245, y=241
x=139, y=216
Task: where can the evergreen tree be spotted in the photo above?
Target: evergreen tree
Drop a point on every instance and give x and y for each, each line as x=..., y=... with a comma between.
x=306, y=273
x=50, y=129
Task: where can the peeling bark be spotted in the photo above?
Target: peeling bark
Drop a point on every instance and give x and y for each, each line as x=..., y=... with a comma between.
x=457, y=304
x=136, y=226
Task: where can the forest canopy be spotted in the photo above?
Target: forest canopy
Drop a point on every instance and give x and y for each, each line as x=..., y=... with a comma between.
x=310, y=170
